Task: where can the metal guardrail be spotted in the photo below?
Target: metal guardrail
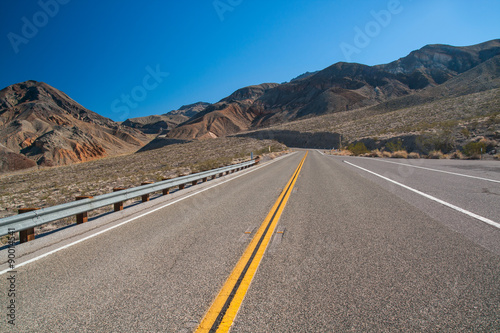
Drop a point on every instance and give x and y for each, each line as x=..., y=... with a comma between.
x=35, y=218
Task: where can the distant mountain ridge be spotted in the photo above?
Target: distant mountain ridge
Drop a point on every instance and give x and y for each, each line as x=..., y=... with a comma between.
x=189, y=110
x=165, y=122
x=340, y=87
x=40, y=125
x=231, y=115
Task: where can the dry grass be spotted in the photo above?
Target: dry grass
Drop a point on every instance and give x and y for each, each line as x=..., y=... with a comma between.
x=400, y=154
x=474, y=157
x=53, y=186
x=343, y=153
x=373, y=153
x=386, y=154
x=413, y=155
x=456, y=155
x=436, y=155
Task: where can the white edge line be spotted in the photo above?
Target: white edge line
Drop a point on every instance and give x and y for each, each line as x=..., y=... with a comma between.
x=137, y=217
x=461, y=210
x=437, y=170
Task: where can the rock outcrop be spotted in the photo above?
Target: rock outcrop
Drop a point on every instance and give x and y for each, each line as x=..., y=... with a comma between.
x=42, y=125
x=165, y=122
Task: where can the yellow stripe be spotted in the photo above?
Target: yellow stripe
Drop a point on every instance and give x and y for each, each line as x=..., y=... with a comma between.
x=218, y=304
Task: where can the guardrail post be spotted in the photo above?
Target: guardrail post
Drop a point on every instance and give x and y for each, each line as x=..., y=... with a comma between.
x=205, y=179
x=145, y=197
x=118, y=205
x=214, y=176
x=82, y=217
x=194, y=182
x=27, y=234
x=257, y=160
x=165, y=191
x=182, y=186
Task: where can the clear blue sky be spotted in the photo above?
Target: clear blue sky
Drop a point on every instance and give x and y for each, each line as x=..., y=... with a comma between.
x=99, y=51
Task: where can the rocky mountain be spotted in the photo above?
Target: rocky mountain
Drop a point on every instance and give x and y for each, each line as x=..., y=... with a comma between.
x=40, y=125
x=435, y=64
x=153, y=124
x=485, y=76
x=338, y=88
x=190, y=110
x=165, y=122
x=444, y=117
x=303, y=76
x=231, y=115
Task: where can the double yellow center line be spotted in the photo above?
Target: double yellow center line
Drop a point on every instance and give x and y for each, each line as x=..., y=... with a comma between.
x=221, y=314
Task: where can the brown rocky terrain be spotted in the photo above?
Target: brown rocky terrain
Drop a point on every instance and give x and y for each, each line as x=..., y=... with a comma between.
x=230, y=115
x=165, y=122
x=40, y=125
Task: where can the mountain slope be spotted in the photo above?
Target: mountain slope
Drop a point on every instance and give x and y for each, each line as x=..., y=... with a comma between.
x=485, y=76
x=342, y=87
x=230, y=115
x=45, y=125
x=444, y=117
x=165, y=122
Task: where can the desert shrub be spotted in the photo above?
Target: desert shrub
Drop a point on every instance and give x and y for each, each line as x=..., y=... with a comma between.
x=456, y=155
x=490, y=144
x=474, y=149
x=373, y=153
x=358, y=148
x=395, y=145
x=376, y=153
x=343, y=153
x=436, y=155
x=413, y=155
x=274, y=148
x=211, y=164
x=386, y=154
x=443, y=142
x=465, y=132
x=494, y=119
x=497, y=157
x=400, y=154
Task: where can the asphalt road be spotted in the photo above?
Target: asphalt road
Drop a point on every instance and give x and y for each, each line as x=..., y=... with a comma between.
x=358, y=253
